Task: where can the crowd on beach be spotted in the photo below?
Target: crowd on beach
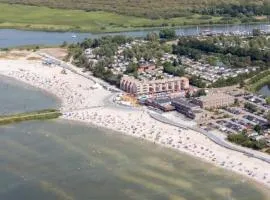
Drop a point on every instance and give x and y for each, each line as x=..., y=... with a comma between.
x=81, y=102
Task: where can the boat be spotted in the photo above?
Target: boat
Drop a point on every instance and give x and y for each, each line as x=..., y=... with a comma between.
x=74, y=36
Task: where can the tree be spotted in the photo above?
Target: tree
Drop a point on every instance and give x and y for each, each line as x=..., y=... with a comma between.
x=128, y=53
x=188, y=95
x=212, y=60
x=175, y=62
x=237, y=138
x=202, y=92
x=132, y=67
x=199, y=93
x=241, y=84
x=245, y=141
x=236, y=102
x=252, y=108
x=173, y=70
x=197, y=81
x=167, y=34
x=257, y=128
x=87, y=43
x=256, y=32
x=267, y=100
x=89, y=65
x=64, y=44
x=268, y=116
x=152, y=36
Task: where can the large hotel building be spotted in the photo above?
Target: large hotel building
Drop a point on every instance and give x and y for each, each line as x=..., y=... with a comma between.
x=144, y=87
x=216, y=100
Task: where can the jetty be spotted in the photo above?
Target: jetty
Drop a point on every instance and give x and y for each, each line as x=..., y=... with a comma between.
x=27, y=116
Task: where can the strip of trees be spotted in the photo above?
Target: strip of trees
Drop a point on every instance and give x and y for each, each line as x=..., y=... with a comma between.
x=243, y=140
x=240, y=10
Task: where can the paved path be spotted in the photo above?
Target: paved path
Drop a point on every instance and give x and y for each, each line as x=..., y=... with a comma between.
x=212, y=137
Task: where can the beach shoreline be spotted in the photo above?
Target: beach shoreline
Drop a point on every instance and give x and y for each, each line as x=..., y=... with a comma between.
x=81, y=103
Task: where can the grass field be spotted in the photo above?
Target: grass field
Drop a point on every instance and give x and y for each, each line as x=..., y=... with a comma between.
x=144, y=8
x=43, y=18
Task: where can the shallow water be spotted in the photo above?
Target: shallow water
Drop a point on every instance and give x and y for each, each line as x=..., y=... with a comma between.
x=65, y=160
x=18, y=97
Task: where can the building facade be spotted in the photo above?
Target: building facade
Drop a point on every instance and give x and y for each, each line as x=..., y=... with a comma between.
x=145, y=87
x=216, y=100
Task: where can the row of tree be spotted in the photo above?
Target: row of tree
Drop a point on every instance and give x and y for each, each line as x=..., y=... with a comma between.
x=239, y=79
x=243, y=140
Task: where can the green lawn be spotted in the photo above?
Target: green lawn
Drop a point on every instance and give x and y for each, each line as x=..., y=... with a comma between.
x=43, y=18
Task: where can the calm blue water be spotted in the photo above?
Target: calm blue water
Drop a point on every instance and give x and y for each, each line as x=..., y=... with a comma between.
x=12, y=37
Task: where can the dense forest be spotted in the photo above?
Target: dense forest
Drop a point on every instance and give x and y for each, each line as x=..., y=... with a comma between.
x=155, y=9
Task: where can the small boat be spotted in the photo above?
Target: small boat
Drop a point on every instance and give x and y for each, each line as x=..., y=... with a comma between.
x=74, y=36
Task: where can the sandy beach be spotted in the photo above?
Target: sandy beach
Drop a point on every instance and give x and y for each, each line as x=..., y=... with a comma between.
x=81, y=102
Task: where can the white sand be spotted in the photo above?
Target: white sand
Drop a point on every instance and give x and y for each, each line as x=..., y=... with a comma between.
x=77, y=99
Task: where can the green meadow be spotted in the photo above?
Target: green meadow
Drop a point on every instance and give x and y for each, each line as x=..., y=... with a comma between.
x=43, y=18
x=152, y=9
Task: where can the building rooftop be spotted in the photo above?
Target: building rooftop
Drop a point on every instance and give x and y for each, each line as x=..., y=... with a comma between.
x=163, y=100
x=184, y=102
x=213, y=96
x=145, y=79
